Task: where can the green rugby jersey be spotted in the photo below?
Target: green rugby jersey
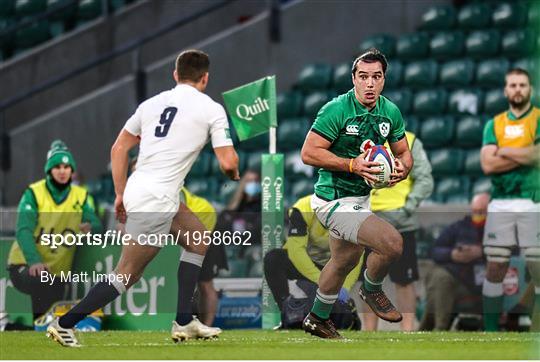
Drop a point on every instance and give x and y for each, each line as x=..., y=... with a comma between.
x=347, y=125
x=505, y=130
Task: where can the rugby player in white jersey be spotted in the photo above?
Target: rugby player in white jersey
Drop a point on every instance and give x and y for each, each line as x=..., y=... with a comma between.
x=171, y=128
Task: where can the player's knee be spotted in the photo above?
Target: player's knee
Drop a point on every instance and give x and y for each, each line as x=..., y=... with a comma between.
x=394, y=245
x=346, y=263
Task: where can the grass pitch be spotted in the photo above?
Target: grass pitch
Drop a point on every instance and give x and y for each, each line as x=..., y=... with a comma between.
x=257, y=344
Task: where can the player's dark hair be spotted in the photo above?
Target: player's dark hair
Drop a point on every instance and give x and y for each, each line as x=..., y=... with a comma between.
x=372, y=55
x=518, y=71
x=192, y=65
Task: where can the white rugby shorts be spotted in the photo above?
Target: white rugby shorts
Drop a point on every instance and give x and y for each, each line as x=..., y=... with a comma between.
x=149, y=217
x=342, y=217
x=512, y=222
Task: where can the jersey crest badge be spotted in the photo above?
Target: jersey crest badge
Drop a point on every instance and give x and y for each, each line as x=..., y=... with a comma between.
x=384, y=128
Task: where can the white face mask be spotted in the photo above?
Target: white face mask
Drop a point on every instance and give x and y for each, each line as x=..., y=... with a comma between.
x=253, y=188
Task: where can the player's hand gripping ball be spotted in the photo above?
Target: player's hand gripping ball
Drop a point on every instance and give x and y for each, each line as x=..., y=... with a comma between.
x=381, y=155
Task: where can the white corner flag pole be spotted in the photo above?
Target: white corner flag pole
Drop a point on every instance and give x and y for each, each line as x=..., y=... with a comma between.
x=273, y=141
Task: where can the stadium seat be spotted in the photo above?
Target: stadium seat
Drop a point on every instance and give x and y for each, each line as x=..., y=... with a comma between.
x=7, y=9
x=469, y=131
x=476, y=15
x=384, y=42
x=256, y=270
x=495, y=102
x=301, y=188
x=295, y=168
x=461, y=198
x=453, y=186
x=483, y=43
x=257, y=143
x=446, y=161
x=518, y=43
x=254, y=161
x=437, y=131
x=491, y=72
x=412, y=46
x=465, y=101
x=412, y=124
x=341, y=81
x=64, y=15
x=7, y=41
x=472, y=163
x=401, y=97
x=238, y=268
x=394, y=74
x=201, y=167
x=226, y=191
x=31, y=35
x=89, y=9
x=531, y=65
x=446, y=45
x=421, y=73
x=115, y=5
x=291, y=133
x=29, y=7
x=431, y=101
x=482, y=184
x=204, y=187
x=314, y=101
x=534, y=15
x=509, y=15
x=289, y=104
x=457, y=73
x=441, y=17
x=315, y=77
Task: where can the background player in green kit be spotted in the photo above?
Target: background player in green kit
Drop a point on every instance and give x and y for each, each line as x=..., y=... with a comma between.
x=510, y=154
x=344, y=127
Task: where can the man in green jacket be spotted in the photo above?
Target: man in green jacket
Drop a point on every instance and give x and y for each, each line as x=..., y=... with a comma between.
x=49, y=206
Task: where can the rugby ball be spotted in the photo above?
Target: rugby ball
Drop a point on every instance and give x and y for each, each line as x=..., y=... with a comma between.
x=385, y=159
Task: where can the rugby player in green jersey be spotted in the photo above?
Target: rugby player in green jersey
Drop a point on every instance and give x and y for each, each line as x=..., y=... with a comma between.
x=343, y=129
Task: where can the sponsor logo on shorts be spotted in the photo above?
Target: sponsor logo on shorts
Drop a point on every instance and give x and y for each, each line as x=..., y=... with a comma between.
x=357, y=207
x=492, y=236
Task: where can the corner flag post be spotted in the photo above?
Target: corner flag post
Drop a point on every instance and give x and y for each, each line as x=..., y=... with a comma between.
x=253, y=111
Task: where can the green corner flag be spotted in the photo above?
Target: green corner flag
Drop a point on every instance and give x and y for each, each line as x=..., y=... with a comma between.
x=252, y=107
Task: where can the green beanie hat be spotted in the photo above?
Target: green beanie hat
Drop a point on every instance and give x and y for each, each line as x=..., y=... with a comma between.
x=58, y=154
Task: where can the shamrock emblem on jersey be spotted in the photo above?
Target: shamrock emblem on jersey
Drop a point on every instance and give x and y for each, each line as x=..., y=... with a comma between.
x=384, y=128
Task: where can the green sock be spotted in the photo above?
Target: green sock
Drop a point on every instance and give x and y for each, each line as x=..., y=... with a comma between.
x=370, y=285
x=492, y=310
x=322, y=306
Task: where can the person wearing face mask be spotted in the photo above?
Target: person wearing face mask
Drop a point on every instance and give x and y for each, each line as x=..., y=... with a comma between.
x=243, y=213
x=52, y=205
x=457, y=253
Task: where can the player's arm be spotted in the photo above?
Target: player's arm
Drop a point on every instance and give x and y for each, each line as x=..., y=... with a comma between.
x=403, y=160
x=120, y=159
x=228, y=161
x=492, y=163
x=315, y=152
x=27, y=219
x=522, y=155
